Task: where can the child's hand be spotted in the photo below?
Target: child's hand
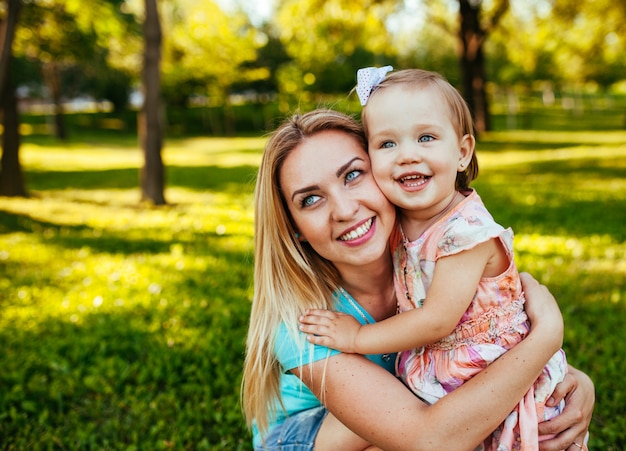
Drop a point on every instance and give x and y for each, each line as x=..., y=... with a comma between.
x=332, y=329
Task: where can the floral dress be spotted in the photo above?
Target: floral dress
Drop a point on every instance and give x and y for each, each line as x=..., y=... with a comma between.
x=493, y=323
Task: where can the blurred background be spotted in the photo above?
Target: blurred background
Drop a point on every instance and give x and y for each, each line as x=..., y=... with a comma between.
x=131, y=135
x=218, y=55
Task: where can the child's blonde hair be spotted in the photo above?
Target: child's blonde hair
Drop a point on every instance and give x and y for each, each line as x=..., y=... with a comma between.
x=459, y=112
x=289, y=276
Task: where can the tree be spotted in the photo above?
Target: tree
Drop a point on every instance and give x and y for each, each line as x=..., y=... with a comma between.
x=329, y=40
x=7, y=34
x=11, y=178
x=150, y=126
x=48, y=35
x=599, y=57
x=538, y=45
x=473, y=32
x=476, y=19
x=64, y=36
x=207, y=51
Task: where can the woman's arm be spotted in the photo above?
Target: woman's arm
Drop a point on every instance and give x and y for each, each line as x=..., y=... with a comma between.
x=378, y=407
x=572, y=424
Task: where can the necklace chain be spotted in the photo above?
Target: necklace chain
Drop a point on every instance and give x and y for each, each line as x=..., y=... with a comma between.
x=405, y=245
x=354, y=305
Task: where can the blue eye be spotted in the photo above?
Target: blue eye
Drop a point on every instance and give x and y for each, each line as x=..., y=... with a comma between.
x=387, y=145
x=426, y=138
x=350, y=176
x=309, y=201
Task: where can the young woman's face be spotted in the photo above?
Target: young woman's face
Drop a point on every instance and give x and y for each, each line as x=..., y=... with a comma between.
x=335, y=202
x=414, y=149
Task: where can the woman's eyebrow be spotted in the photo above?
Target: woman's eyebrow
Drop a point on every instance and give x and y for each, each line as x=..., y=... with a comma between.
x=340, y=171
x=306, y=189
x=343, y=168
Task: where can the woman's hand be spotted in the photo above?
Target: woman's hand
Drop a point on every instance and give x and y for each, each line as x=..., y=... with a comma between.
x=572, y=424
x=577, y=388
x=543, y=312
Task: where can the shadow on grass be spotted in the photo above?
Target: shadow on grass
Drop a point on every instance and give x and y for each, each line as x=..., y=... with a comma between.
x=569, y=218
x=116, y=242
x=561, y=203
x=555, y=212
x=578, y=170
x=223, y=179
x=557, y=119
x=485, y=145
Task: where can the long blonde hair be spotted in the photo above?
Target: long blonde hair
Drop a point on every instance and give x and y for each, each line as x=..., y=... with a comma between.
x=460, y=114
x=289, y=276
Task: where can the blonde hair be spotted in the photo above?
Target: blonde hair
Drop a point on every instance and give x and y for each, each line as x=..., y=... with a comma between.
x=289, y=276
x=460, y=114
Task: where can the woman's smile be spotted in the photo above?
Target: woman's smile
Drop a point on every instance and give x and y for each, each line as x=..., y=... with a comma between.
x=358, y=232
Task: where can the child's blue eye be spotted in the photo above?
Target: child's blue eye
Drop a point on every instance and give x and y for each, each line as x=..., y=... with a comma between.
x=387, y=145
x=426, y=138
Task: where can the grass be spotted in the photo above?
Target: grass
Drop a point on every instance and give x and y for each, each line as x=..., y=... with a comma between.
x=123, y=326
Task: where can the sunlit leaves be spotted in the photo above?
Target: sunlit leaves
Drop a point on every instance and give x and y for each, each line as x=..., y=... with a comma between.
x=318, y=34
x=563, y=41
x=206, y=44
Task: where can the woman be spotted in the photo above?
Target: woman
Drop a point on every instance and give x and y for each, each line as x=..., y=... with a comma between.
x=321, y=241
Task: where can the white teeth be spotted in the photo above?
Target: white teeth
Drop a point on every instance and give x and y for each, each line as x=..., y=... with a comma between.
x=358, y=232
x=416, y=179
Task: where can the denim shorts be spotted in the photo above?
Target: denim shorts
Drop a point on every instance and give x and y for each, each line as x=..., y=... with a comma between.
x=296, y=433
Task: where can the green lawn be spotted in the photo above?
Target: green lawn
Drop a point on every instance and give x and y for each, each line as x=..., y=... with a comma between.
x=123, y=326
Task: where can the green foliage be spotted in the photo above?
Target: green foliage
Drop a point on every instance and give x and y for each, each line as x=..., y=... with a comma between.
x=123, y=326
x=206, y=50
x=89, y=47
x=329, y=40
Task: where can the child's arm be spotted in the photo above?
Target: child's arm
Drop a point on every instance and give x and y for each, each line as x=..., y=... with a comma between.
x=453, y=287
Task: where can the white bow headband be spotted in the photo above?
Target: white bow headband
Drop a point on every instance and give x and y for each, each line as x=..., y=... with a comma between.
x=369, y=78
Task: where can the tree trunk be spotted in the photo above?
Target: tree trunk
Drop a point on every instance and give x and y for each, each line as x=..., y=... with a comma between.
x=11, y=179
x=53, y=82
x=150, y=127
x=7, y=33
x=472, y=38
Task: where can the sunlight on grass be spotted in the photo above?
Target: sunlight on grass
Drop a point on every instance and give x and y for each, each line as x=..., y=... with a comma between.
x=215, y=151
x=516, y=157
x=559, y=258
x=117, y=211
x=75, y=157
x=186, y=152
x=539, y=137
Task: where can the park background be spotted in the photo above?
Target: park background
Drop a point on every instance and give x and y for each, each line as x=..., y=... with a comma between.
x=126, y=226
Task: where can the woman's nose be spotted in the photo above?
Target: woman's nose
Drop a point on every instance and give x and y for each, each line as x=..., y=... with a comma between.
x=345, y=207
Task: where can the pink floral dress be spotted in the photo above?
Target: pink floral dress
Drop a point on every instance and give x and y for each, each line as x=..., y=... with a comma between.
x=494, y=322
